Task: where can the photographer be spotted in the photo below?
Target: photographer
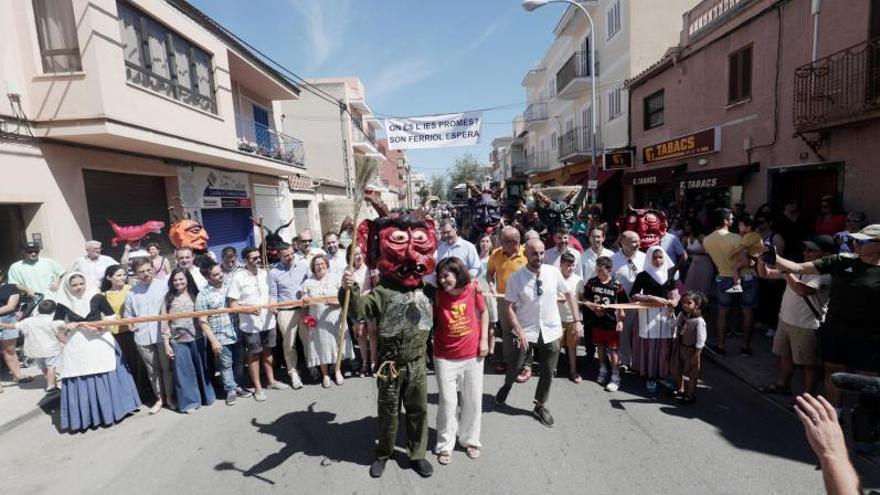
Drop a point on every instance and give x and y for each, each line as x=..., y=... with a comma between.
x=849, y=336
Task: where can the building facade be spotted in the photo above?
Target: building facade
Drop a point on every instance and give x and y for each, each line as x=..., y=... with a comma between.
x=764, y=102
x=121, y=109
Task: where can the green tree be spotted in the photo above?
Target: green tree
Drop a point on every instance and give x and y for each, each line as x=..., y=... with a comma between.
x=437, y=186
x=467, y=168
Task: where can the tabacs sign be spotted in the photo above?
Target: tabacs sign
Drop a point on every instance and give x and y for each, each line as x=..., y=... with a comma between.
x=698, y=143
x=618, y=159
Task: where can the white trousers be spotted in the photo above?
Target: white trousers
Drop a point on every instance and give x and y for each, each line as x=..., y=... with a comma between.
x=466, y=376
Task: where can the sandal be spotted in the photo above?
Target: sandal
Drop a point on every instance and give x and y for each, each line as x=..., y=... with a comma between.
x=775, y=389
x=444, y=458
x=473, y=452
x=576, y=378
x=325, y=382
x=338, y=379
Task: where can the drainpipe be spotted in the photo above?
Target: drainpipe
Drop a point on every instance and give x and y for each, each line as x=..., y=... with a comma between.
x=814, y=11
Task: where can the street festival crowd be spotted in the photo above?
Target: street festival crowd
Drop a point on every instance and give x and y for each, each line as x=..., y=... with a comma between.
x=640, y=314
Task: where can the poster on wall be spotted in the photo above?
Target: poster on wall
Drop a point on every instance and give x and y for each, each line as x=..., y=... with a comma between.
x=208, y=188
x=434, y=131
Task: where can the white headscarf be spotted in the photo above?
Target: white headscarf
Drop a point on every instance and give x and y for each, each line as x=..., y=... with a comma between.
x=661, y=274
x=79, y=305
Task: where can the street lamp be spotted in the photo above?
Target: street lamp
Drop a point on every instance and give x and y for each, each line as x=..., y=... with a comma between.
x=530, y=5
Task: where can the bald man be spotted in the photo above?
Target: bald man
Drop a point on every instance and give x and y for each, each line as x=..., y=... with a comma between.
x=93, y=264
x=531, y=294
x=504, y=262
x=626, y=264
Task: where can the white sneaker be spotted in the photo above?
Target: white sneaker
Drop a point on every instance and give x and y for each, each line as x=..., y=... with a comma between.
x=603, y=376
x=614, y=384
x=736, y=289
x=295, y=382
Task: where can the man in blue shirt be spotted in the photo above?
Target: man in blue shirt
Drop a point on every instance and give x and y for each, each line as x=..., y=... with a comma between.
x=285, y=279
x=453, y=245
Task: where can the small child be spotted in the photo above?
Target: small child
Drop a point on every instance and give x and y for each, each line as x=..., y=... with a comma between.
x=570, y=336
x=606, y=324
x=749, y=249
x=689, y=342
x=41, y=341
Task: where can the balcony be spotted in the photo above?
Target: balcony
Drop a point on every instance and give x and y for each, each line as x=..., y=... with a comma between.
x=574, y=78
x=262, y=140
x=364, y=141
x=523, y=164
x=535, y=115
x=575, y=145
x=839, y=89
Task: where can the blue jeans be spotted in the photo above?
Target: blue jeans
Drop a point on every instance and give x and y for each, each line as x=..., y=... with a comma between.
x=228, y=363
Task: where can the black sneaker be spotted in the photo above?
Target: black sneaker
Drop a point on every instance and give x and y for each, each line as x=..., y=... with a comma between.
x=231, y=398
x=543, y=415
x=501, y=396
x=423, y=467
x=745, y=351
x=377, y=468
x=243, y=393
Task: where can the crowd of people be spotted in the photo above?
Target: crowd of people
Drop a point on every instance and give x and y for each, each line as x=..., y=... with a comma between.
x=645, y=313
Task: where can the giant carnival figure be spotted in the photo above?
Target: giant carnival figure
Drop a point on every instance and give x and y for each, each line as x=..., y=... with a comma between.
x=272, y=240
x=483, y=211
x=554, y=214
x=649, y=224
x=188, y=233
x=401, y=246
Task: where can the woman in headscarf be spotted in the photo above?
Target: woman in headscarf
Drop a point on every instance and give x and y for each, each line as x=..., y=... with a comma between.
x=97, y=387
x=185, y=344
x=651, y=347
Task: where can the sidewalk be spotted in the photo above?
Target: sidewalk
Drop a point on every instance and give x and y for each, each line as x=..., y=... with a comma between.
x=21, y=401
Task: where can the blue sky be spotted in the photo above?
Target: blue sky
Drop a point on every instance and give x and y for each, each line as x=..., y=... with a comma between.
x=415, y=57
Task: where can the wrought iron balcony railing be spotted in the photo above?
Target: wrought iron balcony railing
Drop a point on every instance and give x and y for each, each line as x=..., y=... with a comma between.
x=840, y=88
x=576, y=66
x=577, y=141
x=535, y=112
x=262, y=140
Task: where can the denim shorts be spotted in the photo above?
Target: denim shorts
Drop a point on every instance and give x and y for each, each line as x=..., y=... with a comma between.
x=49, y=362
x=747, y=299
x=12, y=333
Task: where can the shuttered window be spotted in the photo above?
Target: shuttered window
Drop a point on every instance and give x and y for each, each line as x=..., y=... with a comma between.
x=302, y=217
x=654, y=106
x=740, y=75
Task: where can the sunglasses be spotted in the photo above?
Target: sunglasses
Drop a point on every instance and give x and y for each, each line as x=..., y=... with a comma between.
x=539, y=290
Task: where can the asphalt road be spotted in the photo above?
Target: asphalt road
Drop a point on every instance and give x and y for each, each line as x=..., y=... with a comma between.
x=320, y=441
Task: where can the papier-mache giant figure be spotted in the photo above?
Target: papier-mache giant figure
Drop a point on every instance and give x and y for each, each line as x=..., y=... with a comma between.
x=484, y=210
x=649, y=224
x=400, y=245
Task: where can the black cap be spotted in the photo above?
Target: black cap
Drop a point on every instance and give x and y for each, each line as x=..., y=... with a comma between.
x=31, y=246
x=822, y=243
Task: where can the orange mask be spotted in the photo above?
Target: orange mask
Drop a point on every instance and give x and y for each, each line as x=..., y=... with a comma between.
x=189, y=234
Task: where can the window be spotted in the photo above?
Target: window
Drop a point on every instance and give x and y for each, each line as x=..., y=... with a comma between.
x=654, y=110
x=615, y=108
x=739, y=75
x=161, y=60
x=56, y=33
x=613, y=19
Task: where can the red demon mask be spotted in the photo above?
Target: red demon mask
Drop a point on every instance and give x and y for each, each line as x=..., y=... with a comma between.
x=401, y=248
x=650, y=225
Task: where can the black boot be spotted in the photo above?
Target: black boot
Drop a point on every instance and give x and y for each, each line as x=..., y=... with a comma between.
x=423, y=467
x=378, y=468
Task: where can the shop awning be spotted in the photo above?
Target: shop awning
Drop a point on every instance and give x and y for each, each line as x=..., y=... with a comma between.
x=651, y=176
x=716, y=177
x=580, y=178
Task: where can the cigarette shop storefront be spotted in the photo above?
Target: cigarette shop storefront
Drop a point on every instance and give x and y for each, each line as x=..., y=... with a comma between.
x=653, y=188
x=706, y=190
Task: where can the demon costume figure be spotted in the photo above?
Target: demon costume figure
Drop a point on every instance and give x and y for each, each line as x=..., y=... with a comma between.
x=401, y=247
x=649, y=224
x=484, y=211
x=555, y=215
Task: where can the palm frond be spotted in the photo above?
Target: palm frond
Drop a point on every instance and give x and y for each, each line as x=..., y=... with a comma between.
x=365, y=168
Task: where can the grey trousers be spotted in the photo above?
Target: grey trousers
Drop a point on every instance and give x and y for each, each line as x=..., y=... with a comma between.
x=548, y=355
x=289, y=324
x=159, y=370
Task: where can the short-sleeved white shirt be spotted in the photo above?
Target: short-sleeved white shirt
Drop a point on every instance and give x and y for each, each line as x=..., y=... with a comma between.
x=538, y=315
x=250, y=289
x=553, y=257
x=575, y=286
x=795, y=311
x=624, y=270
x=588, y=261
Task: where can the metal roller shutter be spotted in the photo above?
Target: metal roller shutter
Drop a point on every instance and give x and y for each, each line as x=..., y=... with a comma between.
x=228, y=227
x=302, y=218
x=127, y=199
x=268, y=204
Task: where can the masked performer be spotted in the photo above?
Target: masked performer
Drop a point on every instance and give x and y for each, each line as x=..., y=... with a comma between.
x=401, y=248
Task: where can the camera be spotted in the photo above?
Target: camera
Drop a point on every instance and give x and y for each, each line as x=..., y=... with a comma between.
x=866, y=415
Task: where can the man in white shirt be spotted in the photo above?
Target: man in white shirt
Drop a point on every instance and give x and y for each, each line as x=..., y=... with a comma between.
x=250, y=287
x=533, y=310
x=626, y=264
x=335, y=256
x=562, y=240
x=186, y=260
x=93, y=264
x=596, y=250
x=453, y=245
x=304, y=251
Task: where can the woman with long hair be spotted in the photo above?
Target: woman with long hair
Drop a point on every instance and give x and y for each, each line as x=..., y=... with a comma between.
x=185, y=344
x=161, y=265
x=364, y=330
x=322, y=320
x=97, y=388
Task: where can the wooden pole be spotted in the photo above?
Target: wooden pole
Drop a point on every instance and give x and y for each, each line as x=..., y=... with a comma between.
x=263, y=256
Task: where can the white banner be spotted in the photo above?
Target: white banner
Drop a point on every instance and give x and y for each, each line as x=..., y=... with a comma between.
x=434, y=131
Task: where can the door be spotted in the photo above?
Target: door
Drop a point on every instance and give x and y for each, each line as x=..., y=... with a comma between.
x=261, y=129
x=807, y=185
x=127, y=199
x=12, y=234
